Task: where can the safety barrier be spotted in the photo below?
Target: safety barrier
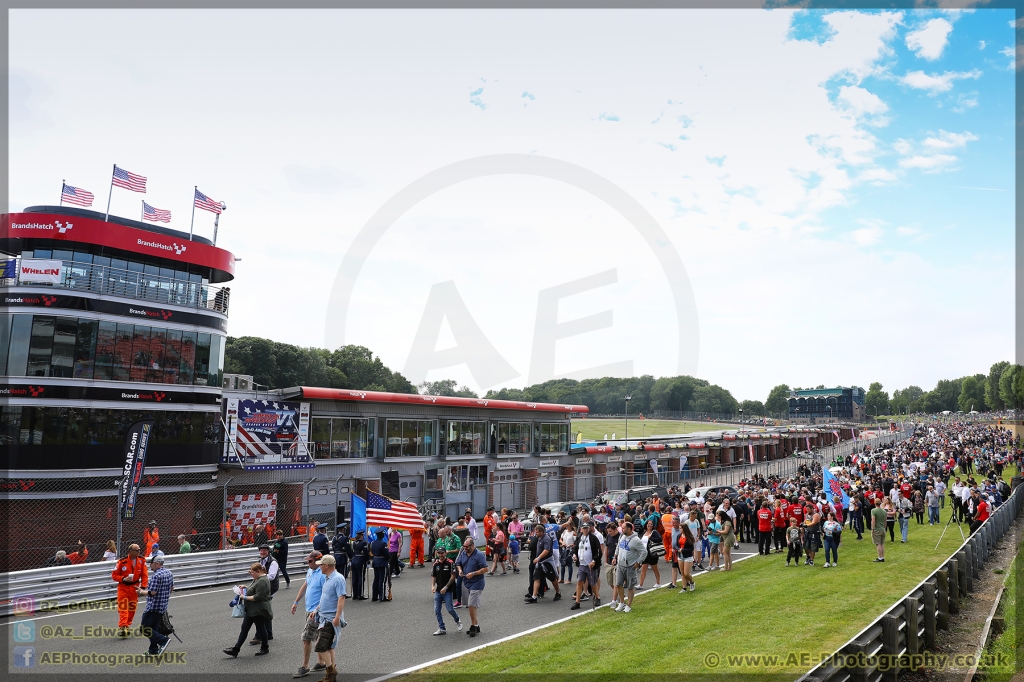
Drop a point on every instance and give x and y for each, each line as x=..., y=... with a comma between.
x=76, y=587
x=909, y=627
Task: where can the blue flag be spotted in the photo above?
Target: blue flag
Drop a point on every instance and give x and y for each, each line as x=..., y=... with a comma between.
x=358, y=515
x=832, y=487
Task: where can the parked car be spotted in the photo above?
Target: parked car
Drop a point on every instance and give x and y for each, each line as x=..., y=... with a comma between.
x=718, y=490
x=638, y=494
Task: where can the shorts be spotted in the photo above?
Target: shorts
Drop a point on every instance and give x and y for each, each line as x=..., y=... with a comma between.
x=651, y=559
x=326, y=639
x=474, y=598
x=586, y=574
x=714, y=548
x=309, y=633
x=515, y=557
x=609, y=575
x=625, y=576
x=878, y=537
x=687, y=557
x=546, y=570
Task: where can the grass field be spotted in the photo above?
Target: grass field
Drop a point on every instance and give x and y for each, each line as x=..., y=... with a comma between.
x=1010, y=645
x=789, y=616
x=595, y=429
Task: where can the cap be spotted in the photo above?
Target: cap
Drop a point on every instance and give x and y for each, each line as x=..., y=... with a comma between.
x=585, y=525
x=327, y=561
x=266, y=547
x=322, y=525
x=491, y=508
x=156, y=545
x=313, y=555
x=158, y=559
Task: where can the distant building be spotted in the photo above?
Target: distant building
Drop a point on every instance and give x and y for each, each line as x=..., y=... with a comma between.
x=823, y=404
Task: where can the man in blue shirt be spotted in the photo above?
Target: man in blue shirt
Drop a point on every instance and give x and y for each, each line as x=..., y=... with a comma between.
x=472, y=566
x=161, y=582
x=328, y=615
x=312, y=589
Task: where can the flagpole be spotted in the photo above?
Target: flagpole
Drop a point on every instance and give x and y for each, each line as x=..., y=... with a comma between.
x=194, y=190
x=142, y=210
x=111, y=194
x=63, y=184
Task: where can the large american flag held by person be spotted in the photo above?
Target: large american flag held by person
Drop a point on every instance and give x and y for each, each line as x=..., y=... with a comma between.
x=206, y=203
x=128, y=180
x=76, y=196
x=382, y=511
x=150, y=213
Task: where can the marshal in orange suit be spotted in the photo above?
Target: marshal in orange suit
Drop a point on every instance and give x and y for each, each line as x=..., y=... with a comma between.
x=131, y=577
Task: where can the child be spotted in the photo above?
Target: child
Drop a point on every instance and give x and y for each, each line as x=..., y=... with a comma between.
x=513, y=549
x=793, y=538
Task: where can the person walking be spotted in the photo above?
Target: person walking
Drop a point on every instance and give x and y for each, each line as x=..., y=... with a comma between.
x=279, y=550
x=543, y=565
x=812, y=533
x=566, y=542
x=586, y=554
x=472, y=565
x=932, y=498
x=879, y=521
x=832, y=532
x=653, y=542
x=629, y=555
x=158, y=593
x=131, y=576
x=442, y=582
x=764, y=529
x=715, y=539
x=273, y=572
x=686, y=545
x=329, y=618
x=394, y=551
x=611, y=544
x=890, y=518
x=496, y=543
x=257, y=611
x=416, y=547
x=311, y=590
x=906, y=510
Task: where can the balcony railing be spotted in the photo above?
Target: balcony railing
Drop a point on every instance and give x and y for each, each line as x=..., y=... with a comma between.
x=103, y=279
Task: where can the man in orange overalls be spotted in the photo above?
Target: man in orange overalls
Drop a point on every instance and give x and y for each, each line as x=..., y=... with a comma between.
x=150, y=536
x=131, y=577
x=415, y=547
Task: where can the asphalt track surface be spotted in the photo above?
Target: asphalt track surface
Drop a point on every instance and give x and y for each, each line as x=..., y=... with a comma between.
x=380, y=639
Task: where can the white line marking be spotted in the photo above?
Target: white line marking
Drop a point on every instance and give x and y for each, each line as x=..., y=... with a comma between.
x=509, y=638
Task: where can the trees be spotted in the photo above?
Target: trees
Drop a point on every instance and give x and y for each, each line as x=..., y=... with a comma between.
x=972, y=393
x=713, y=400
x=446, y=387
x=908, y=400
x=876, y=401
x=752, y=408
x=992, y=398
x=673, y=394
x=1008, y=391
x=778, y=400
x=943, y=397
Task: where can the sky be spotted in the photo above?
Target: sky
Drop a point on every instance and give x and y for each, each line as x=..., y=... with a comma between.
x=837, y=186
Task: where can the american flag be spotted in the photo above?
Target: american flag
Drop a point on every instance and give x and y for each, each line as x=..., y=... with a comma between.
x=123, y=178
x=381, y=511
x=74, y=195
x=150, y=213
x=206, y=203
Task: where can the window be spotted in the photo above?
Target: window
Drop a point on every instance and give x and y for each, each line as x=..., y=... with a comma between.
x=106, y=340
x=40, y=346
x=513, y=437
x=553, y=437
x=463, y=438
x=432, y=480
x=85, y=349
x=341, y=438
x=461, y=477
x=409, y=438
x=5, y=340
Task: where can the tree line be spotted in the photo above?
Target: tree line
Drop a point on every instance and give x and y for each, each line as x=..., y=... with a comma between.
x=1001, y=389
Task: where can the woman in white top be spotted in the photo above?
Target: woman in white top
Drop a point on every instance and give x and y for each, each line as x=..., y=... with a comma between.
x=566, y=543
x=111, y=553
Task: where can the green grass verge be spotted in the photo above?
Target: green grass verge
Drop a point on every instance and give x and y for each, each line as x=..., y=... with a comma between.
x=595, y=429
x=789, y=616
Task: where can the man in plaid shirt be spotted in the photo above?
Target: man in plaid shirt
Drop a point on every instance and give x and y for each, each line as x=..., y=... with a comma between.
x=161, y=582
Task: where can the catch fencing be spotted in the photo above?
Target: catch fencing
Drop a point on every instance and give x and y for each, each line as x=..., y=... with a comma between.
x=910, y=626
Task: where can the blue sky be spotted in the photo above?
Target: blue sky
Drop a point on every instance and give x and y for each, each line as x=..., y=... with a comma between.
x=837, y=184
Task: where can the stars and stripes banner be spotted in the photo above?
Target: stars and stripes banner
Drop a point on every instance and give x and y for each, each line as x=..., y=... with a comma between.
x=76, y=196
x=128, y=180
x=382, y=511
x=751, y=449
x=206, y=203
x=155, y=214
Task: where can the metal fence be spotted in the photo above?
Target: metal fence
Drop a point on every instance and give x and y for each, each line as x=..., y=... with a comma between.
x=909, y=627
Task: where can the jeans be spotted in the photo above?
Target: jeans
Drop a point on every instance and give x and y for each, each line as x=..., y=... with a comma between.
x=566, y=558
x=933, y=514
x=764, y=542
x=904, y=527
x=445, y=599
x=831, y=547
x=261, y=631
x=151, y=620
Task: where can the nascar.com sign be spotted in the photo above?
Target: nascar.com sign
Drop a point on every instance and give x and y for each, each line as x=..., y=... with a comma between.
x=35, y=270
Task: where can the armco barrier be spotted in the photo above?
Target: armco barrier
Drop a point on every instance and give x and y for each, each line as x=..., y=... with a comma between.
x=63, y=587
x=909, y=627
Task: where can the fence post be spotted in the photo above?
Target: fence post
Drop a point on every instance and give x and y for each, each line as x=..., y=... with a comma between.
x=224, y=538
x=890, y=645
x=963, y=566
x=953, y=590
x=911, y=614
x=929, y=589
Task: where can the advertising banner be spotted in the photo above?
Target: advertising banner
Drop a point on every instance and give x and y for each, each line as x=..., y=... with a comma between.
x=34, y=270
x=267, y=434
x=136, y=441
x=245, y=511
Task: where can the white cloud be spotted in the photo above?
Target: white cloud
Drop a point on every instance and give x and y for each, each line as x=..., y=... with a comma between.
x=936, y=83
x=877, y=176
x=902, y=146
x=965, y=102
x=931, y=39
x=866, y=236
x=1016, y=56
x=929, y=164
x=982, y=44
x=861, y=101
x=947, y=140
x=905, y=231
